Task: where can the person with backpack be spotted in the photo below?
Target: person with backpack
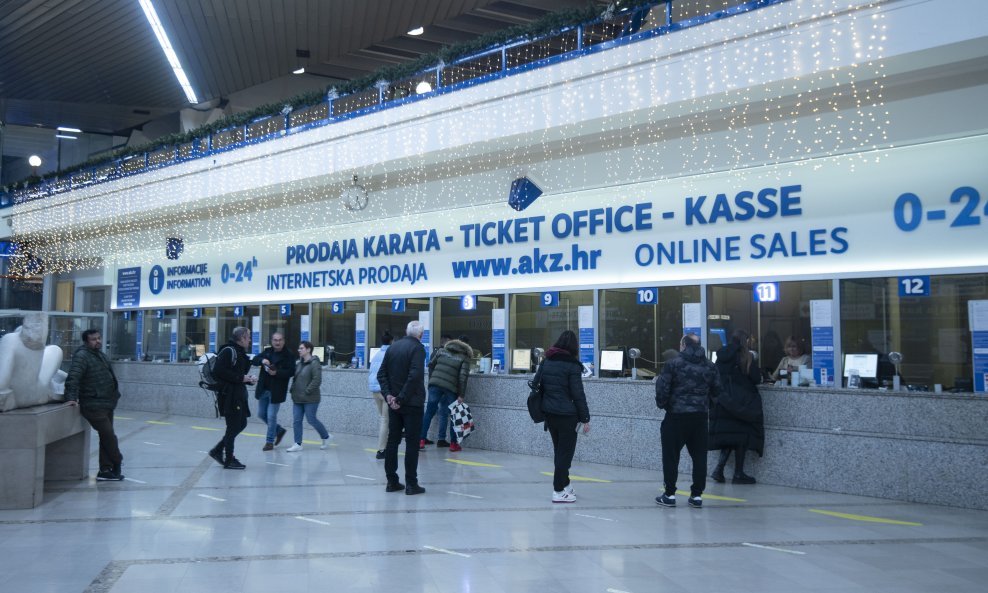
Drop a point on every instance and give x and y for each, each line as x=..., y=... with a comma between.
x=277, y=368
x=736, y=421
x=231, y=370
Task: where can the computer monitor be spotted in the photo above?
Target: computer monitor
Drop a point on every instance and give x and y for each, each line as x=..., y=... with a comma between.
x=866, y=365
x=320, y=353
x=521, y=359
x=612, y=360
x=373, y=353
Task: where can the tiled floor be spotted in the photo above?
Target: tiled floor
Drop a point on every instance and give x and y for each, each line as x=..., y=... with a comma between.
x=321, y=521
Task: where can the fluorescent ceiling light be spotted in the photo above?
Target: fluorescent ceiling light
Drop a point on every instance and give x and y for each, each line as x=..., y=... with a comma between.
x=416, y=31
x=66, y=136
x=299, y=71
x=423, y=87
x=166, y=46
x=65, y=129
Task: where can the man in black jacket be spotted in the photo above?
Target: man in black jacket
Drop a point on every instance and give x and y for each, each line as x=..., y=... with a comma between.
x=232, y=368
x=277, y=369
x=683, y=390
x=402, y=379
x=92, y=386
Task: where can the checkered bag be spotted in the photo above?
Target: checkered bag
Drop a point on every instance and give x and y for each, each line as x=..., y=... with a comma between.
x=462, y=419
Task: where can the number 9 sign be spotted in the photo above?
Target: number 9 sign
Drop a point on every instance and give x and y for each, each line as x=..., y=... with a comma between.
x=550, y=299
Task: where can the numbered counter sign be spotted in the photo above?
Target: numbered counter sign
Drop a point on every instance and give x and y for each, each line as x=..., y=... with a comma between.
x=336, y=307
x=285, y=310
x=647, y=296
x=468, y=302
x=238, y=311
x=766, y=292
x=550, y=299
x=397, y=305
x=914, y=286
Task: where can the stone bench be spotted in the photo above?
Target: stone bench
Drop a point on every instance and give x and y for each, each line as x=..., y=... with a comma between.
x=49, y=442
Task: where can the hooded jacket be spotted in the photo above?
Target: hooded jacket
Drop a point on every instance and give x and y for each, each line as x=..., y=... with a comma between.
x=91, y=381
x=449, y=369
x=562, y=382
x=687, y=383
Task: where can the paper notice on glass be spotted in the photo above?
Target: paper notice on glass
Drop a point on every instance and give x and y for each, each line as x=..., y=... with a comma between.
x=691, y=315
x=822, y=313
x=586, y=316
x=497, y=318
x=977, y=314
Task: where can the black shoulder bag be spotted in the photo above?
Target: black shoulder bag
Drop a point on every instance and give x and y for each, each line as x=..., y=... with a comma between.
x=535, y=397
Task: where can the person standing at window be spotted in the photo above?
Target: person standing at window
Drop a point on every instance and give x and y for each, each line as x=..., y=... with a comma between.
x=449, y=370
x=565, y=406
x=736, y=422
x=402, y=380
x=375, y=389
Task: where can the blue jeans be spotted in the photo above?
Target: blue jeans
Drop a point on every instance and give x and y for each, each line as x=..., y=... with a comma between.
x=268, y=413
x=438, y=398
x=309, y=411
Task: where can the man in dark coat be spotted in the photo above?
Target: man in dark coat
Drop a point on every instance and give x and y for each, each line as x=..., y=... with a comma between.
x=402, y=379
x=277, y=369
x=683, y=390
x=232, y=368
x=92, y=386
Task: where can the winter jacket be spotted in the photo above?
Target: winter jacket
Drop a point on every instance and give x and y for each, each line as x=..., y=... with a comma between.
x=449, y=369
x=233, y=398
x=91, y=381
x=687, y=383
x=562, y=384
x=375, y=366
x=402, y=373
x=284, y=365
x=736, y=417
x=308, y=379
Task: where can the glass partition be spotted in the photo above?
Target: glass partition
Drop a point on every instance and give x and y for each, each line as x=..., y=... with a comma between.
x=231, y=317
x=469, y=318
x=534, y=324
x=284, y=318
x=383, y=316
x=158, y=334
x=335, y=324
x=193, y=332
x=122, y=342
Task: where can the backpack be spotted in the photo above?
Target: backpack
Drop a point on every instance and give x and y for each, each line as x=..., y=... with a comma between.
x=208, y=379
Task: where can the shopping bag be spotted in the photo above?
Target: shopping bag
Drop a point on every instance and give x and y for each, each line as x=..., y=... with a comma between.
x=462, y=419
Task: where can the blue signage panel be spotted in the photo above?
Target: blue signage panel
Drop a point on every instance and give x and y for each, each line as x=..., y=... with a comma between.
x=159, y=314
x=468, y=302
x=766, y=292
x=823, y=355
x=197, y=312
x=647, y=296
x=285, y=310
x=336, y=307
x=497, y=347
x=140, y=335
x=550, y=299
x=129, y=287
x=979, y=341
x=156, y=279
x=397, y=305
x=586, y=345
x=238, y=311
x=914, y=286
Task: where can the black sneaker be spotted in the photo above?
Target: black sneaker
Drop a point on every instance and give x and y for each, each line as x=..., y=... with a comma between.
x=380, y=454
x=108, y=475
x=279, y=436
x=695, y=502
x=217, y=455
x=416, y=489
x=442, y=443
x=234, y=463
x=743, y=479
x=395, y=487
x=718, y=475
x=666, y=500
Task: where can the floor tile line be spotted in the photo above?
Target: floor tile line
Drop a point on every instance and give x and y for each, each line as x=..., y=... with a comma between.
x=178, y=495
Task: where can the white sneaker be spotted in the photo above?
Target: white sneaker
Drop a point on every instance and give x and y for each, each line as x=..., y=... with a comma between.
x=325, y=443
x=294, y=448
x=570, y=490
x=563, y=496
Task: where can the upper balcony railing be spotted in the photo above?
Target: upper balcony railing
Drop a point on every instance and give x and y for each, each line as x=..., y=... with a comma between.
x=613, y=29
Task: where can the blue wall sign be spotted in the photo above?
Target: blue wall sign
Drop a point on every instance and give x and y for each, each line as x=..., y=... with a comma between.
x=238, y=311
x=914, y=286
x=129, y=287
x=647, y=296
x=766, y=292
x=156, y=279
x=550, y=299
x=337, y=307
x=468, y=302
x=397, y=305
x=285, y=310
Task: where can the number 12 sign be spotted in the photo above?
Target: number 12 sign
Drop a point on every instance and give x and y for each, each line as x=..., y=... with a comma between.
x=914, y=286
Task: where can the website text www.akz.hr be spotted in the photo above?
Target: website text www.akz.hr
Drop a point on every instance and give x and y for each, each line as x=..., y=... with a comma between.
x=539, y=262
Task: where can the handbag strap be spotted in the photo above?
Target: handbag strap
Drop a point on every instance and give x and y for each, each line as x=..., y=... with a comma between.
x=537, y=379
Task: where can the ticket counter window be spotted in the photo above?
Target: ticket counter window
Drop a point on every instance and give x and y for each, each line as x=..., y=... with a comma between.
x=335, y=324
x=158, y=334
x=534, y=324
x=655, y=329
x=468, y=317
x=229, y=319
x=122, y=344
x=385, y=316
x=929, y=328
x=193, y=332
x=276, y=318
x=772, y=320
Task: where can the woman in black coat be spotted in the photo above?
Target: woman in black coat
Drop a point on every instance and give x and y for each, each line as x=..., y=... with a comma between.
x=565, y=405
x=736, y=422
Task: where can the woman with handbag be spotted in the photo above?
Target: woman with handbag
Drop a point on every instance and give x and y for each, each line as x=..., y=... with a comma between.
x=564, y=404
x=736, y=422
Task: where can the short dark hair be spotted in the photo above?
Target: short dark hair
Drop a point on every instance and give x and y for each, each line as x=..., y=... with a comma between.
x=567, y=341
x=387, y=338
x=307, y=344
x=90, y=332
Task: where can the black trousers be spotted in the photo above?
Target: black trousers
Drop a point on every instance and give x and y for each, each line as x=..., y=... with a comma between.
x=562, y=429
x=236, y=422
x=689, y=430
x=109, y=449
x=409, y=420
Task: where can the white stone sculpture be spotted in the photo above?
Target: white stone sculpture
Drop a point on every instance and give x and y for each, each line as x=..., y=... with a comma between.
x=29, y=370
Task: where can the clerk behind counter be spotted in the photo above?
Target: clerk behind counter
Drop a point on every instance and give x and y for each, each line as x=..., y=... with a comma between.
x=795, y=356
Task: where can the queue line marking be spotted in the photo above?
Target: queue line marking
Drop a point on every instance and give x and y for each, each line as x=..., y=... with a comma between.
x=713, y=496
x=471, y=463
x=205, y=428
x=159, y=422
x=865, y=518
